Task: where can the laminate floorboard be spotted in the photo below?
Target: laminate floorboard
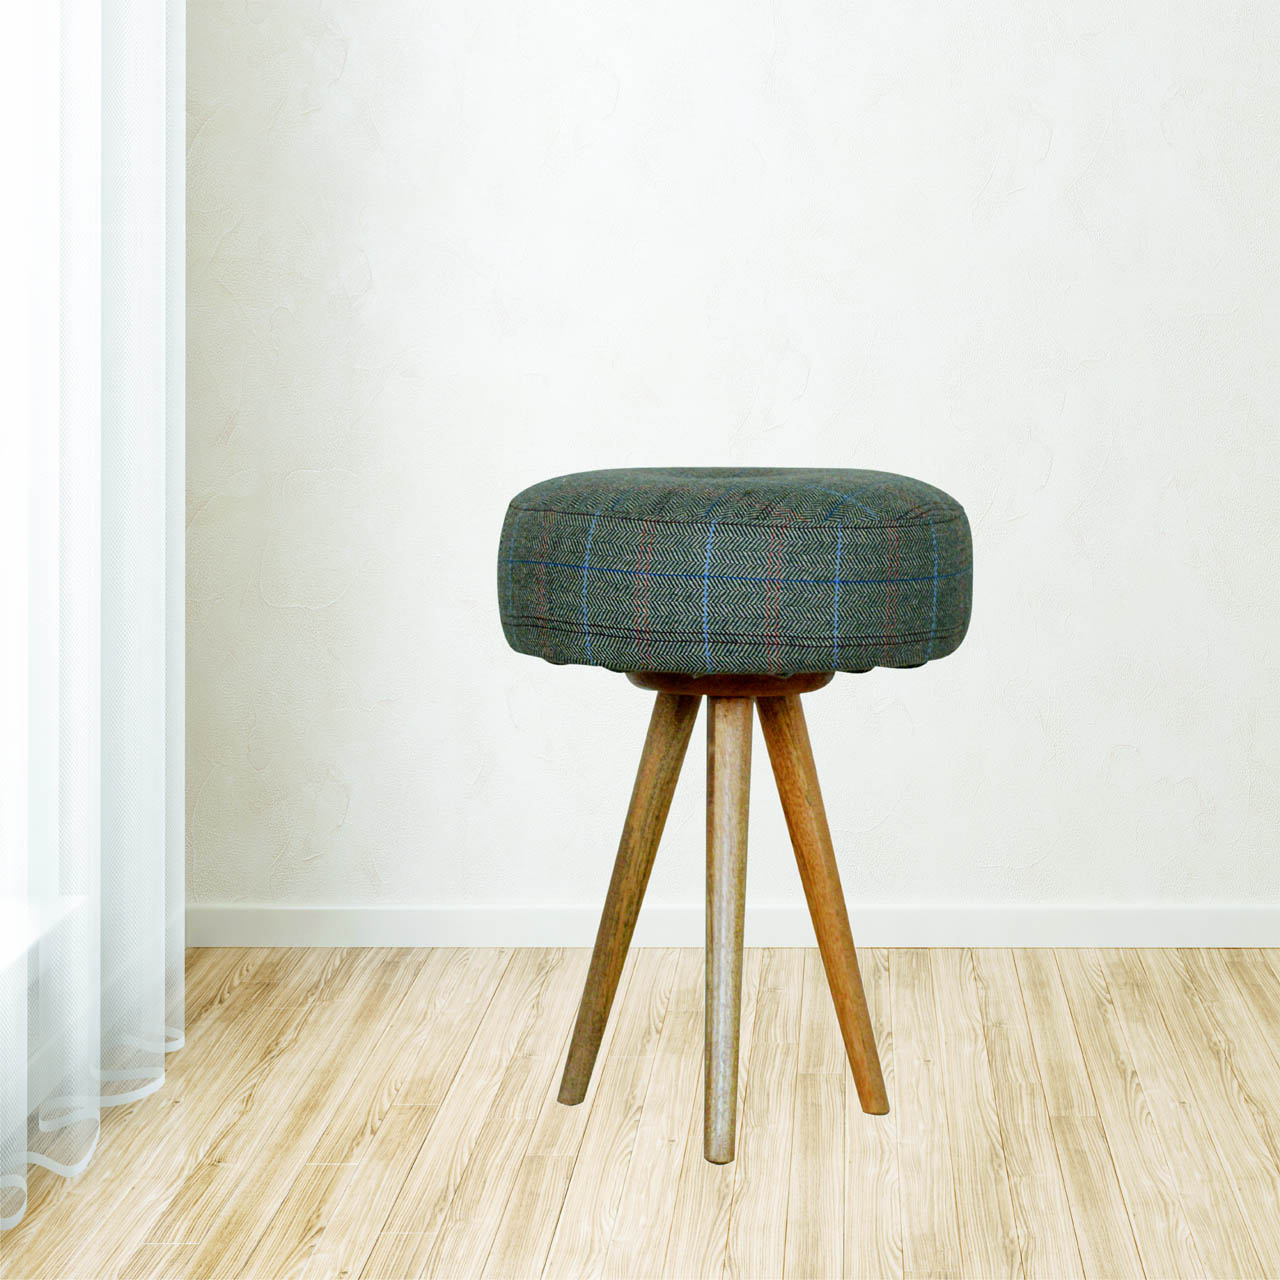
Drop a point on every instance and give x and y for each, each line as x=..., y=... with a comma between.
x=390, y=1114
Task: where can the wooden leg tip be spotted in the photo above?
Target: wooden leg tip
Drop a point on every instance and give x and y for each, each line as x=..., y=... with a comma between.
x=718, y=1156
x=570, y=1096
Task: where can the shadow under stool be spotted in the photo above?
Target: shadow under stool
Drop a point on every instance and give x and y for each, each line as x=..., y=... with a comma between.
x=747, y=587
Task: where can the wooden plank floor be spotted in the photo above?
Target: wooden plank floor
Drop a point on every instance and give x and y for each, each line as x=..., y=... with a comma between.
x=392, y=1113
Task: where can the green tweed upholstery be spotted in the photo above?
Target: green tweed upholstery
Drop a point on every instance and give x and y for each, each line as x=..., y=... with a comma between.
x=762, y=571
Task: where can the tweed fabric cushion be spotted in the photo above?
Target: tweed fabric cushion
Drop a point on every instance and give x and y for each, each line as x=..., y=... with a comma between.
x=763, y=571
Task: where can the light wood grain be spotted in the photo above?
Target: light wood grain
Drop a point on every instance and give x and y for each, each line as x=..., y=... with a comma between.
x=375, y=1133
x=236, y=1060
x=758, y=1215
x=209, y=972
x=698, y=1241
x=1041, y=1214
x=216, y=975
x=930, y=1229
x=349, y=1231
x=1225, y=1083
x=815, y=1201
x=1204, y=1181
x=647, y=1202
x=389, y=1113
x=257, y=1159
x=518, y=1021
x=153, y=1260
x=532, y=1211
x=872, y=1198
x=1104, y=1232
x=984, y=1208
x=1165, y=1240
x=471, y=1221
x=592, y=1204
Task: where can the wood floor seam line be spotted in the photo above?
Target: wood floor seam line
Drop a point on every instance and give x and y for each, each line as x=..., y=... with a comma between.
x=352, y=1113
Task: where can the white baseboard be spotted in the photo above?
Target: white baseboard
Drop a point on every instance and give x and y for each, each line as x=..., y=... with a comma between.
x=262, y=925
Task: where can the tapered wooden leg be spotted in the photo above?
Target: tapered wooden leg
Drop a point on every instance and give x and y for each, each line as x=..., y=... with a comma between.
x=728, y=790
x=669, y=730
x=787, y=738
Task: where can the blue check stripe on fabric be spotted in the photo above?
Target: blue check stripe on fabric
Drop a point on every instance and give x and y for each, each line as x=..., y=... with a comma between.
x=586, y=569
x=706, y=587
x=706, y=581
x=835, y=608
x=933, y=621
x=841, y=499
x=707, y=576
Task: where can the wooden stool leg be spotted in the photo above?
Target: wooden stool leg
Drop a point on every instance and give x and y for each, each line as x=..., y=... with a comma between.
x=669, y=730
x=787, y=737
x=728, y=790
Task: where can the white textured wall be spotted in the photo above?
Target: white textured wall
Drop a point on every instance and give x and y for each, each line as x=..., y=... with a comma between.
x=440, y=251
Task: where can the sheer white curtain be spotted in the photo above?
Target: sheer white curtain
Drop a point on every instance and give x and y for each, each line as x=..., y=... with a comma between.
x=91, y=573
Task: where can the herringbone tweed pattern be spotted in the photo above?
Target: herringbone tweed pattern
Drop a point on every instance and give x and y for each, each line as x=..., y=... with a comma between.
x=763, y=571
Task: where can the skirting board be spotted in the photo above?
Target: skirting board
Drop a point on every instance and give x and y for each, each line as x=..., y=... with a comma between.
x=261, y=925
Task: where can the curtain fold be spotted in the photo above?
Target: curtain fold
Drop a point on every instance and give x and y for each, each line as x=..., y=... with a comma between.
x=91, y=850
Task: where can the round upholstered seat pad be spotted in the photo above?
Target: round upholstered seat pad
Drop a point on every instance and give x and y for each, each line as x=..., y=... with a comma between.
x=747, y=570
